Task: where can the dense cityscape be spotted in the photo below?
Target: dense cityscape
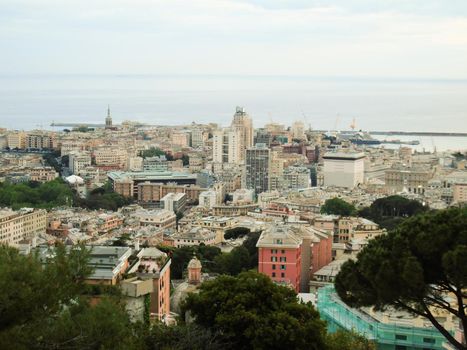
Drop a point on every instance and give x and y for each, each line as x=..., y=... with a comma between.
x=233, y=175
x=172, y=219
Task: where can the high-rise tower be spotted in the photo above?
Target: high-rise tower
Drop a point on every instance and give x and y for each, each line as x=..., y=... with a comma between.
x=243, y=123
x=108, y=119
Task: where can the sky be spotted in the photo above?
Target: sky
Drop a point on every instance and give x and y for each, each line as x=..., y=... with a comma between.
x=394, y=39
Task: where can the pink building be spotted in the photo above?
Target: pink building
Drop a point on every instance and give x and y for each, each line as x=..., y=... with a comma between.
x=290, y=254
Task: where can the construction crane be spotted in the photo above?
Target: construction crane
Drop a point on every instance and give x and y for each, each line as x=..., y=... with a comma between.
x=353, y=125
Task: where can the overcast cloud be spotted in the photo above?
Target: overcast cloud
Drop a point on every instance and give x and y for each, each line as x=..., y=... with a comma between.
x=366, y=38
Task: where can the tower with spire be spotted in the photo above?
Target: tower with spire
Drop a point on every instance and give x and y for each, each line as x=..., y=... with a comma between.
x=108, y=119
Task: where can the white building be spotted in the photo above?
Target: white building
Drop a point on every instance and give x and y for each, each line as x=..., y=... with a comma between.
x=226, y=146
x=343, y=169
x=174, y=202
x=208, y=199
x=77, y=162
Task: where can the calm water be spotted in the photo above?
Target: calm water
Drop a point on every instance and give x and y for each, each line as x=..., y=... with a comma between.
x=29, y=102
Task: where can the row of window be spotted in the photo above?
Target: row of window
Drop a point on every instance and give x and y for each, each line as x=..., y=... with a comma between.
x=281, y=259
x=274, y=251
x=274, y=274
x=282, y=267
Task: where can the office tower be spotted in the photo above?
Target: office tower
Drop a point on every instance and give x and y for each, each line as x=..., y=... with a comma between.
x=226, y=146
x=243, y=123
x=258, y=168
x=343, y=169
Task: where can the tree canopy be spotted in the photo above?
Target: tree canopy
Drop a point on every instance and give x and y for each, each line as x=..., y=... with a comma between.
x=45, y=195
x=43, y=306
x=413, y=268
x=252, y=312
x=390, y=211
x=337, y=206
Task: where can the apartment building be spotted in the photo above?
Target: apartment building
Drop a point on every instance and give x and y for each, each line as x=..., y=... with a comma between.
x=22, y=224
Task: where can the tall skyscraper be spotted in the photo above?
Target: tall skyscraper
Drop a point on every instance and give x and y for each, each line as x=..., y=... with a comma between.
x=243, y=123
x=226, y=146
x=258, y=168
x=108, y=119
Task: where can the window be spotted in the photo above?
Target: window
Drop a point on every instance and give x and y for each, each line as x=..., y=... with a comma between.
x=273, y=258
x=283, y=259
x=401, y=337
x=273, y=274
x=273, y=266
x=282, y=274
x=278, y=241
x=429, y=340
x=282, y=267
x=283, y=251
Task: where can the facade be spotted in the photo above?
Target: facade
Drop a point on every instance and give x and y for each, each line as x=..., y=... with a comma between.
x=258, y=168
x=343, y=169
x=243, y=124
x=197, y=138
x=154, y=265
x=111, y=157
x=77, y=162
x=290, y=254
x=42, y=174
x=39, y=141
x=22, y=224
x=208, y=199
x=175, y=202
x=158, y=218
x=296, y=177
x=127, y=183
x=155, y=163
x=150, y=194
x=16, y=140
x=459, y=192
x=194, y=236
x=226, y=146
x=391, y=331
x=414, y=179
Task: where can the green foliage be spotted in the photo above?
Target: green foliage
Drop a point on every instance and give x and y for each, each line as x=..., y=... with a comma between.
x=233, y=263
x=337, y=206
x=348, y=340
x=102, y=198
x=236, y=232
x=390, y=211
x=51, y=160
x=240, y=259
x=185, y=160
x=45, y=195
x=122, y=241
x=413, y=267
x=251, y=312
x=152, y=152
x=182, y=337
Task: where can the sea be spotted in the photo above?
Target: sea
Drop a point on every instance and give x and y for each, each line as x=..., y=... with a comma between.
x=323, y=103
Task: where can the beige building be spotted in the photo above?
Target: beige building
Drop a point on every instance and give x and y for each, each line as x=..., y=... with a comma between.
x=243, y=124
x=111, y=157
x=16, y=140
x=158, y=218
x=413, y=179
x=22, y=224
x=39, y=141
x=227, y=146
x=42, y=174
x=459, y=192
